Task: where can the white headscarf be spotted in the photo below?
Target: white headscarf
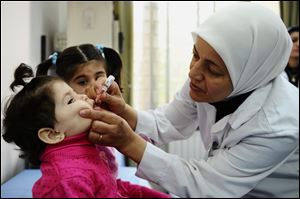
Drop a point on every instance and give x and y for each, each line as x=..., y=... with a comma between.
x=252, y=41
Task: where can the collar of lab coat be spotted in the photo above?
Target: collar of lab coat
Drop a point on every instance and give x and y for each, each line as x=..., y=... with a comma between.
x=250, y=107
x=245, y=111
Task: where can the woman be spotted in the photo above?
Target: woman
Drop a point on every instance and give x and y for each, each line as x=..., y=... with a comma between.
x=291, y=71
x=246, y=112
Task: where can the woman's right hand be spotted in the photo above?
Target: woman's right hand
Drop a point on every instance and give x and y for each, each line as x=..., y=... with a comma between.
x=113, y=100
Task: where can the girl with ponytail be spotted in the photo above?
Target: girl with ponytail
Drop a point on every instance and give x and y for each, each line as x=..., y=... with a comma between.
x=84, y=66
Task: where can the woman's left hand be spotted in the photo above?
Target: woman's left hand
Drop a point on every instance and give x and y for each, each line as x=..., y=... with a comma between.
x=112, y=130
x=108, y=128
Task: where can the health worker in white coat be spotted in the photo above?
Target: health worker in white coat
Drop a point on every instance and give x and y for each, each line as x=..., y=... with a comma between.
x=247, y=114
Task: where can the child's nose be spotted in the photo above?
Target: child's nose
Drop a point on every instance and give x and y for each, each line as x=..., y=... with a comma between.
x=91, y=91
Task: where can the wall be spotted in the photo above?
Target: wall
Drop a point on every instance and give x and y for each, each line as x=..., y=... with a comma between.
x=22, y=24
x=90, y=22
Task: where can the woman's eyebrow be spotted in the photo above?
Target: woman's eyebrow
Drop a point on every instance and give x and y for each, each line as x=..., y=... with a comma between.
x=208, y=60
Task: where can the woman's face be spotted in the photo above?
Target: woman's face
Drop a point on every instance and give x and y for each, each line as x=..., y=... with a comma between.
x=210, y=80
x=88, y=77
x=295, y=49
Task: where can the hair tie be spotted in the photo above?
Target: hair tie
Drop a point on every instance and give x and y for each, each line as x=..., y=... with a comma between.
x=101, y=49
x=53, y=57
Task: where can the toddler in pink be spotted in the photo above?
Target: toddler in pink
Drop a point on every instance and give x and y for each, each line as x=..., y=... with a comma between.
x=74, y=168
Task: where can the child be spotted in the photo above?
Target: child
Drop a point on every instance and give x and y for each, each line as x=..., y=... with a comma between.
x=85, y=68
x=43, y=120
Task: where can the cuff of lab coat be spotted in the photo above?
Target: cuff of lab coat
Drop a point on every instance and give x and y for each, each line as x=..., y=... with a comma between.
x=154, y=164
x=145, y=123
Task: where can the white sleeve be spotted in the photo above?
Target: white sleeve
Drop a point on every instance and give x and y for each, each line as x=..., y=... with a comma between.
x=174, y=121
x=229, y=173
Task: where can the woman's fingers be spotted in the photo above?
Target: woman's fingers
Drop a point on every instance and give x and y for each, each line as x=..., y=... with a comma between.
x=101, y=127
x=107, y=128
x=94, y=114
x=95, y=137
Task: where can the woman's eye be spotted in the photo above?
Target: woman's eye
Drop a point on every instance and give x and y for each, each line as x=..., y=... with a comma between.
x=71, y=101
x=214, y=72
x=195, y=55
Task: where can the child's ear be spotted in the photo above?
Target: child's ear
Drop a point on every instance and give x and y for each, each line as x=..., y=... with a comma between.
x=50, y=136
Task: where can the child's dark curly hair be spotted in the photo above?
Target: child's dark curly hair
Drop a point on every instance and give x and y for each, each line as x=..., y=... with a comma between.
x=29, y=110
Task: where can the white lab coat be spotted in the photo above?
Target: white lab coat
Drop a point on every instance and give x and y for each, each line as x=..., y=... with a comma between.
x=257, y=154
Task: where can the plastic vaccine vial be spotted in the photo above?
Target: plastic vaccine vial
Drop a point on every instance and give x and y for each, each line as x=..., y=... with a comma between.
x=107, y=83
x=104, y=88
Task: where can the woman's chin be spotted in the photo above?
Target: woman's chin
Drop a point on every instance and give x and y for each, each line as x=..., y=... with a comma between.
x=197, y=97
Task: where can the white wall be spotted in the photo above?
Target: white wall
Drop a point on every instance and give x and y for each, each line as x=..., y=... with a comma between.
x=22, y=24
x=90, y=22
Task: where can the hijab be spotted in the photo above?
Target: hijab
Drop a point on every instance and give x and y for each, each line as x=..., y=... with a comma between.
x=252, y=41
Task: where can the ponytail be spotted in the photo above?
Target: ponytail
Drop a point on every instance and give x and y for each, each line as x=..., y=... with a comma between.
x=113, y=63
x=23, y=71
x=42, y=68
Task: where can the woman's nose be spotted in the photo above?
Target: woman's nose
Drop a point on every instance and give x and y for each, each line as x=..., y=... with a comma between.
x=196, y=72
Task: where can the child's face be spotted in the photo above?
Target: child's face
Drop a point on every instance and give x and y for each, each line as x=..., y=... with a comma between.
x=88, y=77
x=67, y=106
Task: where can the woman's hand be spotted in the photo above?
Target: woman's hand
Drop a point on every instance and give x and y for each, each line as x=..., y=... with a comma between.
x=113, y=101
x=112, y=130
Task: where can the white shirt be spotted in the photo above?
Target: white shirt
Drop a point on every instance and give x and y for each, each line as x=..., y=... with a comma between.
x=258, y=152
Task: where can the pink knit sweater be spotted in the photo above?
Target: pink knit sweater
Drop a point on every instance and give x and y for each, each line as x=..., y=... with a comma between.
x=75, y=168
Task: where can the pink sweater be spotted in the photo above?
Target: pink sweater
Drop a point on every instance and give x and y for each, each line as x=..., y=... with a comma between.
x=74, y=168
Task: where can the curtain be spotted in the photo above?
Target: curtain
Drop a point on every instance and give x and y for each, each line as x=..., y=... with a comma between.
x=289, y=12
x=123, y=11
x=163, y=49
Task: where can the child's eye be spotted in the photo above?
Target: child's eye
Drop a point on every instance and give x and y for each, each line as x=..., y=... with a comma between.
x=82, y=82
x=71, y=101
